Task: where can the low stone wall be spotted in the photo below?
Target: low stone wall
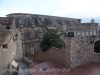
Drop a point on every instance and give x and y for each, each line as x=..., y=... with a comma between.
x=53, y=53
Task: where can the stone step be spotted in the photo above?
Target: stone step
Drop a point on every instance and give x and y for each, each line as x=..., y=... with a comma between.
x=27, y=61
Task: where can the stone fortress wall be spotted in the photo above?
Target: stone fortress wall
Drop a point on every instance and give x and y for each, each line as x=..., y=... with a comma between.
x=81, y=51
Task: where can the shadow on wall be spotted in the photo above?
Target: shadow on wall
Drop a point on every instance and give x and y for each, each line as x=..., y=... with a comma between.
x=53, y=53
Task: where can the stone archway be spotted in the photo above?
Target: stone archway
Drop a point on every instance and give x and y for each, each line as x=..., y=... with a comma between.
x=97, y=46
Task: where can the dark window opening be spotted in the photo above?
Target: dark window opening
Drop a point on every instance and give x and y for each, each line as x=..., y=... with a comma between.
x=23, y=20
x=99, y=31
x=27, y=34
x=8, y=27
x=17, y=21
x=97, y=46
x=45, y=21
x=70, y=34
x=36, y=21
x=5, y=46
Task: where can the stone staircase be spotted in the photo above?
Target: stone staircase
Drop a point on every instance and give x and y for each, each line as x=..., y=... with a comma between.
x=27, y=61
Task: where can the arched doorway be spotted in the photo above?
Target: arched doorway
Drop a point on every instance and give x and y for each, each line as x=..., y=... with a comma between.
x=97, y=46
x=32, y=49
x=29, y=49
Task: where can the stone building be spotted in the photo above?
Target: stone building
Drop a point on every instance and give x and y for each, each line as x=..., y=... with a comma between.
x=7, y=45
x=31, y=28
x=90, y=26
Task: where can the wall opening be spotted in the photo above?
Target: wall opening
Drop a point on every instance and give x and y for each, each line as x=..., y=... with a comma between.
x=32, y=50
x=5, y=46
x=36, y=21
x=97, y=46
x=8, y=27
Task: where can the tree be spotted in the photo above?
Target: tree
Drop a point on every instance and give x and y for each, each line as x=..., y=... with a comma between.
x=52, y=39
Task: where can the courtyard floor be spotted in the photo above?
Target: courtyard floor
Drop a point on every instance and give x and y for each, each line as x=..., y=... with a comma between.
x=23, y=69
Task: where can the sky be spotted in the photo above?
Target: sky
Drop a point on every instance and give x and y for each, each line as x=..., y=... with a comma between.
x=81, y=9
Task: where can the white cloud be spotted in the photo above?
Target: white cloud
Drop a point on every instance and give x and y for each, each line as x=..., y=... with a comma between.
x=81, y=8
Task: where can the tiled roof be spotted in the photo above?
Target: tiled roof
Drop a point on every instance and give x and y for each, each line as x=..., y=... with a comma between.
x=6, y=20
x=55, y=68
x=48, y=68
